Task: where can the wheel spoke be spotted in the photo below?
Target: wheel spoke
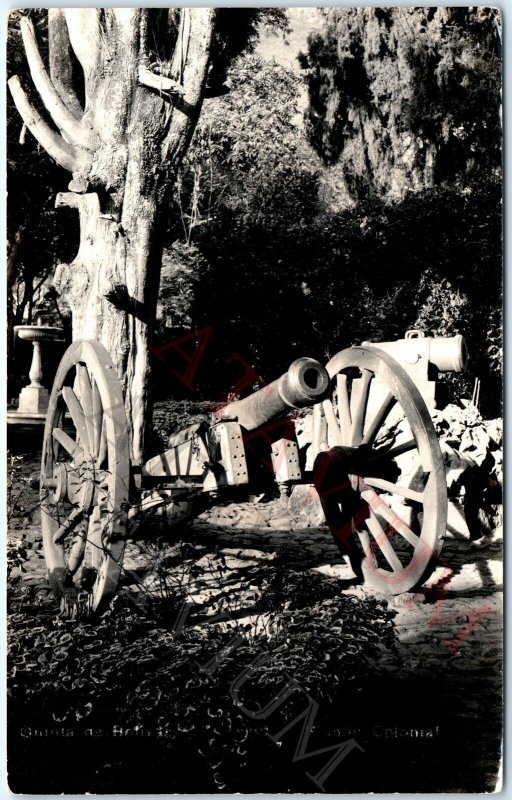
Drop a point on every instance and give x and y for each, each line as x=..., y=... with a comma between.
x=53, y=447
x=77, y=415
x=379, y=505
x=385, y=407
x=383, y=543
x=343, y=405
x=319, y=436
x=396, y=451
x=367, y=547
x=76, y=554
x=68, y=525
x=97, y=418
x=332, y=423
x=395, y=488
x=360, y=392
x=103, y=445
x=85, y=394
x=74, y=449
x=95, y=531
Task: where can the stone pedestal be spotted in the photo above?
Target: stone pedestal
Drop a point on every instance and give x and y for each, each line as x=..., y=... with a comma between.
x=33, y=400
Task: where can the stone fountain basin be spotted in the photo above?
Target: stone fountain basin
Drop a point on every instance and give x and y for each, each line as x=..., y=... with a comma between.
x=41, y=333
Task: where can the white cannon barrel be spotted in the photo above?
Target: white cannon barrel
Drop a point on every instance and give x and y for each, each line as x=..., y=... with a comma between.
x=446, y=353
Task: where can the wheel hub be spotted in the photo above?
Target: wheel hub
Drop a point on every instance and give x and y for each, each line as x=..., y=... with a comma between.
x=77, y=484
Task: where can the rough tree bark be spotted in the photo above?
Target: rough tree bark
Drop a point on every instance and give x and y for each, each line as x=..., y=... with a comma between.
x=121, y=128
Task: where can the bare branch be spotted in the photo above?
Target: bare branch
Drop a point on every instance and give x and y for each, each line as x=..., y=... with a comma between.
x=159, y=82
x=190, y=65
x=67, y=199
x=127, y=22
x=200, y=30
x=85, y=38
x=73, y=130
x=61, y=69
x=64, y=153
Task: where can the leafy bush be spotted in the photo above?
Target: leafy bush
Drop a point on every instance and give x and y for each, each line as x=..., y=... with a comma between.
x=15, y=485
x=183, y=696
x=16, y=556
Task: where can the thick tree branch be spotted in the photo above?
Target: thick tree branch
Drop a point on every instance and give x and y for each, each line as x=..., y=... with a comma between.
x=73, y=130
x=159, y=83
x=127, y=21
x=61, y=67
x=64, y=153
x=85, y=38
x=190, y=65
x=67, y=199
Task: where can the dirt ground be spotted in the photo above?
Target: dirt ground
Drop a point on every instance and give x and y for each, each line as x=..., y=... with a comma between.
x=439, y=726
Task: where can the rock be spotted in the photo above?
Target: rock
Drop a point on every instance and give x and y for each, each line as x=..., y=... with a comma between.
x=497, y=469
x=342, y=571
x=456, y=522
x=476, y=443
x=206, y=562
x=494, y=429
x=247, y=553
x=455, y=465
x=281, y=524
x=304, y=502
x=239, y=563
x=304, y=430
x=251, y=517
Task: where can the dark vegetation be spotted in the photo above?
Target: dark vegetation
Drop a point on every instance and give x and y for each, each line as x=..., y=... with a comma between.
x=158, y=710
x=140, y=702
x=389, y=217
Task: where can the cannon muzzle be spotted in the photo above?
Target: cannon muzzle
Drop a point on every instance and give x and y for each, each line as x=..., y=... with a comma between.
x=449, y=354
x=417, y=351
x=306, y=383
x=424, y=356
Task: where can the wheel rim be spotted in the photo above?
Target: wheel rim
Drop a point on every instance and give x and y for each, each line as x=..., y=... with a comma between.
x=85, y=473
x=378, y=425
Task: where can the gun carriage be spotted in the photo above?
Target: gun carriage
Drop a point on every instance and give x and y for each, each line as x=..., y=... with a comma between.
x=374, y=460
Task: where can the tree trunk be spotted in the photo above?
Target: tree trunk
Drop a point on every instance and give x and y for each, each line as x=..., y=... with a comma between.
x=123, y=152
x=12, y=265
x=111, y=289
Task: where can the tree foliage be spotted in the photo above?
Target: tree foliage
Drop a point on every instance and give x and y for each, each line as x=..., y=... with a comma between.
x=404, y=99
x=247, y=192
x=87, y=69
x=287, y=265
x=395, y=222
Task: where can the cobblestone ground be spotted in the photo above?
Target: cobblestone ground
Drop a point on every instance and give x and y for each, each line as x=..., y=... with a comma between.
x=431, y=716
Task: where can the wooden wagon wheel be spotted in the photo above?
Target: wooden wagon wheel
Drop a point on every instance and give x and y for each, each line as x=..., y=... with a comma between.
x=85, y=474
x=379, y=442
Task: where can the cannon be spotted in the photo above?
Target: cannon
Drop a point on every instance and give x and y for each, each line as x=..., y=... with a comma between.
x=373, y=460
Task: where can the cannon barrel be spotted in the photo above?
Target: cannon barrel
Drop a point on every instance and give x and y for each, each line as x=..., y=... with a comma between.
x=449, y=354
x=305, y=383
x=446, y=353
